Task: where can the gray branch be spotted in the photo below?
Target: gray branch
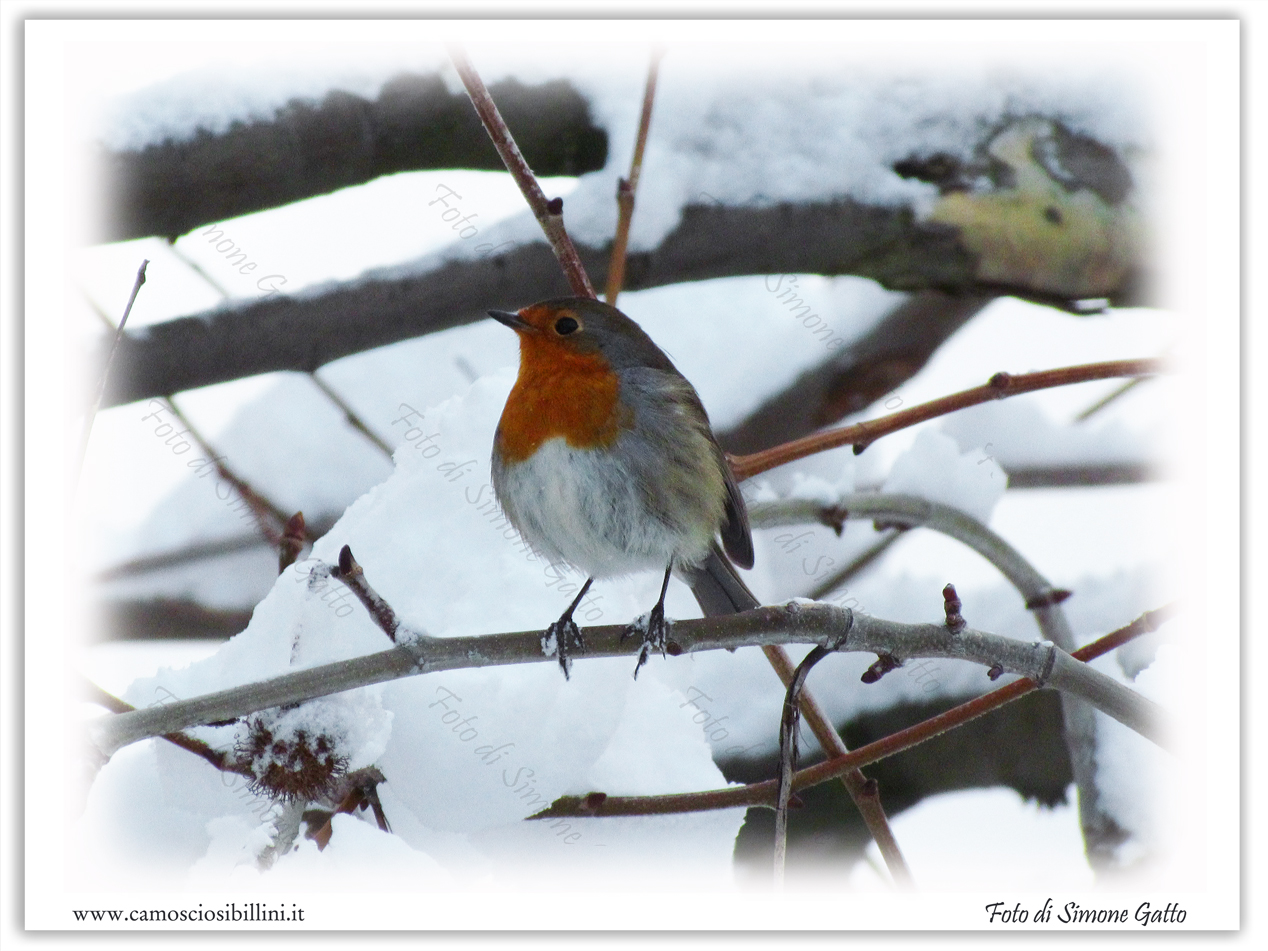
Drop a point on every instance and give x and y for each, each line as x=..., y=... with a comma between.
x=312, y=148
x=792, y=623
x=303, y=333
x=1100, y=832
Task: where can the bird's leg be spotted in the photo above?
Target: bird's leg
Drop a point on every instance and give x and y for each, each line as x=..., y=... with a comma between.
x=565, y=632
x=656, y=635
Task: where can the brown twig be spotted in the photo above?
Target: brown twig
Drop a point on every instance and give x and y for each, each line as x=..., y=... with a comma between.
x=627, y=188
x=788, y=753
x=353, y=575
x=105, y=370
x=1000, y=386
x=198, y=269
x=856, y=784
x=764, y=793
x=268, y=516
x=864, y=560
x=350, y=415
x=292, y=543
x=549, y=214
x=161, y=561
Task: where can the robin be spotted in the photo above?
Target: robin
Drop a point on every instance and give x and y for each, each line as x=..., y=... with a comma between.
x=604, y=459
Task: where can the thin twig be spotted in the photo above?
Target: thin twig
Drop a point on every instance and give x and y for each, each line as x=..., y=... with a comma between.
x=161, y=561
x=860, y=788
x=864, y=560
x=763, y=793
x=350, y=415
x=268, y=516
x=105, y=370
x=198, y=269
x=626, y=189
x=1000, y=386
x=549, y=214
x=788, y=754
x=353, y=575
x=1106, y=400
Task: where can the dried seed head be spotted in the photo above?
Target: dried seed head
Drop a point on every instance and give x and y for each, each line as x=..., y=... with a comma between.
x=289, y=765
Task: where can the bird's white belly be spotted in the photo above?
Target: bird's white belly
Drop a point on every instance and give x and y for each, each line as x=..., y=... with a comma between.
x=583, y=507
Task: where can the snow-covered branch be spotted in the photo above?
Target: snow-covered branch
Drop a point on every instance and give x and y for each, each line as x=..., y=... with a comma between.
x=308, y=148
x=796, y=622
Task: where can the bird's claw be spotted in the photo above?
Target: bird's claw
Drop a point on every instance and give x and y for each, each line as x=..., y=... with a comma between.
x=655, y=635
x=566, y=636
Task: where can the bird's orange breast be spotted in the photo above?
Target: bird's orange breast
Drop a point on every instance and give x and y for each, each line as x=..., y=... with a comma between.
x=559, y=393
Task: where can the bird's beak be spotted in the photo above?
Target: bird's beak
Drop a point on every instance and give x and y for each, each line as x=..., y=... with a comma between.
x=514, y=321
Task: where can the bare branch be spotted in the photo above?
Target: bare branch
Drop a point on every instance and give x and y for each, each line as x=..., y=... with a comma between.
x=788, y=754
x=1040, y=597
x=218, y=759
x=268, y=515
x=105, y=370
x=549, y=214
x=350, y=415
x=763, y=793
x=627, y=189
x=352, y=574
x=313, y=148
x=792, y=623
x=303, y=333
x=1000, y=386
x=856, y=375
x=198, y=551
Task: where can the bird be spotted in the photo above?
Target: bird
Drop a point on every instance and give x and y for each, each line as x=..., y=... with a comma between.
x=604, y=460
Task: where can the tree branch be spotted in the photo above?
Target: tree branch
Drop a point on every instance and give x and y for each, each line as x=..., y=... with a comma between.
x=1000, y=386
x=1039, y=595
x=627, y=189
x=308, y=149
x=855, y=376
x=763, y=793
x=549, y=214
x=305, y=332
x=792, y=623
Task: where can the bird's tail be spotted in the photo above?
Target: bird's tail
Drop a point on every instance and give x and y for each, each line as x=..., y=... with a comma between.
x=718, y=587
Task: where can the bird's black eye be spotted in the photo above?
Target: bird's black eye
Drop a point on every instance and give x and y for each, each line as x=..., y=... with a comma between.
x=565, y=325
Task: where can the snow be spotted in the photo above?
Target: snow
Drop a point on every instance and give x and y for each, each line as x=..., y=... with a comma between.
x=469, y=753
x=828, y=128
x=985, y=838
x=933, y=468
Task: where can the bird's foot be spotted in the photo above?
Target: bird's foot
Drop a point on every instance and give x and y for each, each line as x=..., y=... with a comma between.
x=654, y=630
x=561, y=639
x=564, y=635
